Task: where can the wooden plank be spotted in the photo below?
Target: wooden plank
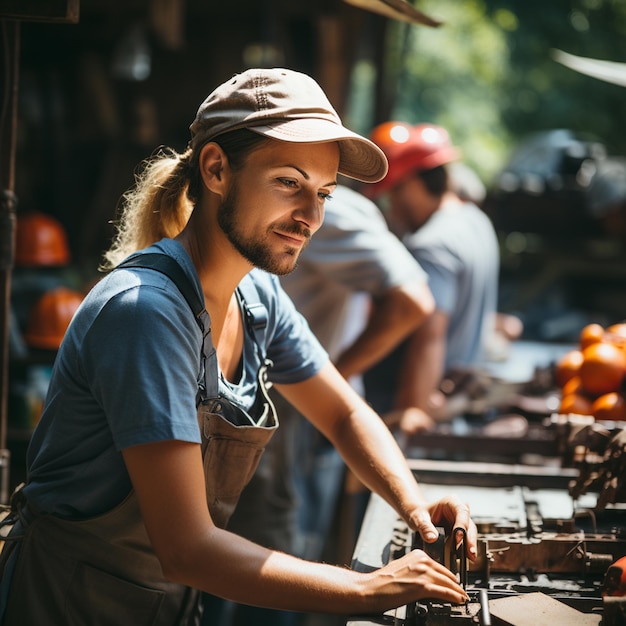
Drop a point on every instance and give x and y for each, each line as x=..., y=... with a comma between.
x=61, y=11
x=538, y=609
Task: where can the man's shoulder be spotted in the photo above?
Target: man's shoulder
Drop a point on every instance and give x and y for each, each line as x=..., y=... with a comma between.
x=261, y=287
x=348, y=204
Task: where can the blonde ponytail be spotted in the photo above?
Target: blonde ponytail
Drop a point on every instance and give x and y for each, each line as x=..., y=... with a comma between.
x=165, y=192
x=158, y=205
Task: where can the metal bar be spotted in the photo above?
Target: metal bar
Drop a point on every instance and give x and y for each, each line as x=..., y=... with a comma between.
x=485, y=615
x=482, y=446
x=491, y=474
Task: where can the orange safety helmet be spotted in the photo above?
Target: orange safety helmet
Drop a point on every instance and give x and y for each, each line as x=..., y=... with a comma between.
x=615, y=579
x=50, y=317
x=411, y=148
x=40, y=240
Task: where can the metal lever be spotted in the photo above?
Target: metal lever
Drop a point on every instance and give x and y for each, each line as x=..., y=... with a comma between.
x=459, y=553
x=436, y=551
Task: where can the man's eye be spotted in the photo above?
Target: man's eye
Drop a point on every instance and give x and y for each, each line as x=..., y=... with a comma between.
x=325, y=196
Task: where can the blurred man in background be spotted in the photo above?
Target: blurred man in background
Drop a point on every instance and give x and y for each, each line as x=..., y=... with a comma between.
x=454, y=241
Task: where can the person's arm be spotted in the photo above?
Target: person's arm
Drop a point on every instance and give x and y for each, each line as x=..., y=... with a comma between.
x=169, y=482
x=371, y=452
x=355, y=250
x=393, y=315
x=418, y=401
x=422, y=369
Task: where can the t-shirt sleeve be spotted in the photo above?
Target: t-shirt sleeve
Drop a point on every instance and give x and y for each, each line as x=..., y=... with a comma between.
x=443, y=276
x=356, y=249
x=292, y=347
x=146, y=379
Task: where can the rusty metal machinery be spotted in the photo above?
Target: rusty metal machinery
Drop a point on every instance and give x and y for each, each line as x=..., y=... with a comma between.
x=491, y=418
x=547, y=492
x=537, y=545
x=509, y=422
x=598, y=451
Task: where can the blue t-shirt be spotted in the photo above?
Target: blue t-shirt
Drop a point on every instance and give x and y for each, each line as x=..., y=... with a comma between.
x=127, y=373
x=458, y=249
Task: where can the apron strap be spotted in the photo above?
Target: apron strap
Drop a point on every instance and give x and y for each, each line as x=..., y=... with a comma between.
x=170, y=267
x=255, y=312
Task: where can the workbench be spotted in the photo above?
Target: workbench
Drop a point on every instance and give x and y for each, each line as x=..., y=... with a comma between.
x=537, y=547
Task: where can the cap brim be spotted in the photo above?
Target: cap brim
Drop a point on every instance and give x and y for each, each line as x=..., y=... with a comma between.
x=359, y=158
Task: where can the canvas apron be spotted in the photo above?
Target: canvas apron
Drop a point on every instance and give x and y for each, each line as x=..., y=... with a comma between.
x=102, y=571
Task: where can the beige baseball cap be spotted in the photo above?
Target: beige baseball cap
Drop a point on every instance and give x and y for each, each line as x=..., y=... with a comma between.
x=288, y=106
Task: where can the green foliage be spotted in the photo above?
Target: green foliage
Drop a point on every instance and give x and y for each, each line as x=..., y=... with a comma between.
x=546, y=94
x=451, y=75
x=488, y=74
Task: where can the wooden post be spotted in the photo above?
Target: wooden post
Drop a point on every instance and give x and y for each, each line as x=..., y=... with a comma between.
x=8, y=127
x=11, y=12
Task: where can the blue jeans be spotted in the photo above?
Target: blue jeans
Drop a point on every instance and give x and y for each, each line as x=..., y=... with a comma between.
x=318, y=479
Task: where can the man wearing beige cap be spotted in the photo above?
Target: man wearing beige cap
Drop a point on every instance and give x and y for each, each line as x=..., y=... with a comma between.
x=157, y=411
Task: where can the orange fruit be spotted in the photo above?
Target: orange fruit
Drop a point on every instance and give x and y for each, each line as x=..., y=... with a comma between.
x=567, y=366
x=616, y=334
x=592, y=333
x=618, y=329
x=573, y=385
x=575, y=403
x=603, y=368
x=610, y=406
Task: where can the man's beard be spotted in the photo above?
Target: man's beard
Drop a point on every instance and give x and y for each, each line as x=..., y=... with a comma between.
x=256, y=250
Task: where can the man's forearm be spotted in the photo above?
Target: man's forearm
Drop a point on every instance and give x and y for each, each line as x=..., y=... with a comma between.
x=392, y=318
x=378, y=461
x=423, y=364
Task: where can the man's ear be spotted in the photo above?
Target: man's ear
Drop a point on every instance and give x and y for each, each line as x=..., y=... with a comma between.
x=213, y=164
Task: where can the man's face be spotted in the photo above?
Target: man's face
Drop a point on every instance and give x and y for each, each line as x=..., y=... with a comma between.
x=276, y=202
x=407, y=203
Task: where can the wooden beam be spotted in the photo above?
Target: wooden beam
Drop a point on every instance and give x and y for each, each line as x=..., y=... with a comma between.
x=60, y=11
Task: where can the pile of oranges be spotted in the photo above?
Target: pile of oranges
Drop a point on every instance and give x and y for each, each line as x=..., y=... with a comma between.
x=592, y=378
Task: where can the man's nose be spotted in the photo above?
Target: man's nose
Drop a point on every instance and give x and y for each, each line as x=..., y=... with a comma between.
x=311, y=211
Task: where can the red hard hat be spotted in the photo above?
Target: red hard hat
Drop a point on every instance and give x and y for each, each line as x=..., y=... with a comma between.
x=50, y=317
x=411, y=148
x=40, y=240
x=615, y=579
